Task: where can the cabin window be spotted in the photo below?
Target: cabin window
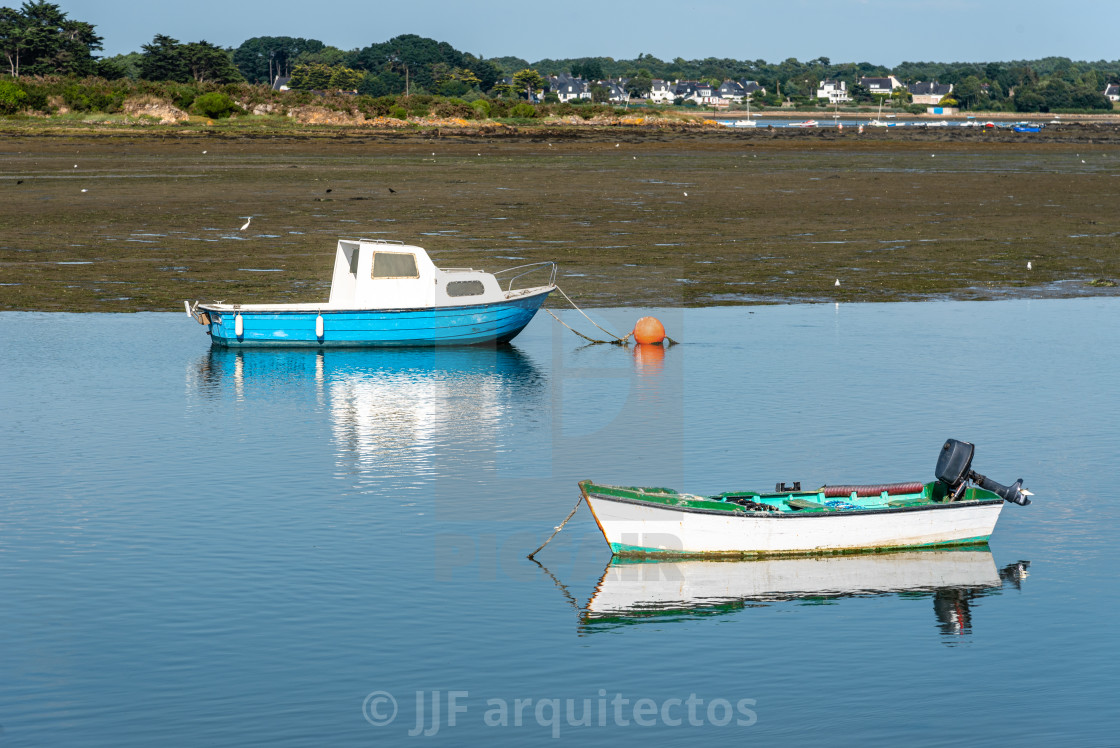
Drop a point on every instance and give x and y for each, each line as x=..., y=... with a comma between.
x=354, y=262
x=465, y=288
x=394, y=265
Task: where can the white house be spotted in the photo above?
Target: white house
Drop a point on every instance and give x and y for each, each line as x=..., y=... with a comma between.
x=616, y=91
x=661, y=92
x=835, y=91
x=1112, y=91
x=568, y=89
x=732, y=91
x=704, y=91
x=751, y=87
x=685, y=90
x=930, y=92
x=881, y=86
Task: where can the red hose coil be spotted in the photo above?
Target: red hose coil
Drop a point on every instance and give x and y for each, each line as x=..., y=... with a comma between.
x=892, y=489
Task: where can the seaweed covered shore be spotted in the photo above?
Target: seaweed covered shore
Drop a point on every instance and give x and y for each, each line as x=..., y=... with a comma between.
x=100, y=217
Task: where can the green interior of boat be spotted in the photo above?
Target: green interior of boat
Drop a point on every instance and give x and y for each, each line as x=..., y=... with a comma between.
x=789, y=501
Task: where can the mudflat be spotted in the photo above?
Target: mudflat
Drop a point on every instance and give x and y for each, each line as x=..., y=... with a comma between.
x=139, y=220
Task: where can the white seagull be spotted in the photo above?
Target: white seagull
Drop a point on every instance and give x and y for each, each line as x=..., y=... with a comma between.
x=837, y=283
x=246, y=224
x=1029, y=265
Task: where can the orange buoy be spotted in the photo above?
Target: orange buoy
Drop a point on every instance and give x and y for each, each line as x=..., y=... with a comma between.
x=649, y=330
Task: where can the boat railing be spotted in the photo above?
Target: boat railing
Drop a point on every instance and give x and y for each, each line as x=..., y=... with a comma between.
x=527, y=270
x=362, y=239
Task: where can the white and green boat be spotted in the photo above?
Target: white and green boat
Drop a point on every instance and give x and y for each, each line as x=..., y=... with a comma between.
x=961, y=507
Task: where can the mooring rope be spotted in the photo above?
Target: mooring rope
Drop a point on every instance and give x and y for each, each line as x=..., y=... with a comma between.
x=624, y=340
x=617, y=340
x=558, y=528
x=577, y=332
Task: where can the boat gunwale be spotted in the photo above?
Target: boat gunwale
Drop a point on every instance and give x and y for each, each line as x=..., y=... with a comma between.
x=736, y=511
x=309, y=307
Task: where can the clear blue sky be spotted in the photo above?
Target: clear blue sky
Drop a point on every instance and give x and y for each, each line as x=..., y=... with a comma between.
x=878, y=31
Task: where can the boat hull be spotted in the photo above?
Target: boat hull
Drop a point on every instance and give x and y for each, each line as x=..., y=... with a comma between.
x=638, y=528
x=475, y=324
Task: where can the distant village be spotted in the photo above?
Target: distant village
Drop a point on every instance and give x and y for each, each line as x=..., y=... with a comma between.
x=732, y=93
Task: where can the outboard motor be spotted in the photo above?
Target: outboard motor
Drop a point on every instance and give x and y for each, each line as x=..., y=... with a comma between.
x=954, y=469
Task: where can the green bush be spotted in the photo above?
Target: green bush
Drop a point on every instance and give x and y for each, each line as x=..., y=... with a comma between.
x=181, y=95
x=37, y=100
x=12, y=97
x=76, y=98
x=215, y=105
x=454, y=108
x=376, y=106
x=500, y=108
x=398, y=112
x=482, y=106
x=92, y=96
x=523, y=110
x=589, y=111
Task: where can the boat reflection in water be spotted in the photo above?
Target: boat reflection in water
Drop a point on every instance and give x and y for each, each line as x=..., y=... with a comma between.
x=389, y=410
x=633, y=590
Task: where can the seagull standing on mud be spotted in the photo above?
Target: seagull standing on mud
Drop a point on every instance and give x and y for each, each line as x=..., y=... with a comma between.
x=246, y=225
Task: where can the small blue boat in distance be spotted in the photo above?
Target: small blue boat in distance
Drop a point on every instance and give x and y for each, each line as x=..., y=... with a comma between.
x=386, y=293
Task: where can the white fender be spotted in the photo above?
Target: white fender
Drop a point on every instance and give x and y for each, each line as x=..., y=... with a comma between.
x=319, y=326
x=238, y=325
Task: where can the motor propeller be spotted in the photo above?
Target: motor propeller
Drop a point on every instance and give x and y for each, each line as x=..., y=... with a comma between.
x=954, y=469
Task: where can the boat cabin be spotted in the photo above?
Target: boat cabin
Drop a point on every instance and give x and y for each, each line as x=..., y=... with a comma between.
x=371, y=274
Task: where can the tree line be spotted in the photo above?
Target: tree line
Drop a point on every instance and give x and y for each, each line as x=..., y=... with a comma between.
x=40, y=39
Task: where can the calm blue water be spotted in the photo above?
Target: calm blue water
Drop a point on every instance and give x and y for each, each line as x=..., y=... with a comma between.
x=214, y=548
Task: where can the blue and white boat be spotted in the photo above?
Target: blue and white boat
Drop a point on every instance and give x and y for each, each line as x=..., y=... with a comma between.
x=387, y=294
